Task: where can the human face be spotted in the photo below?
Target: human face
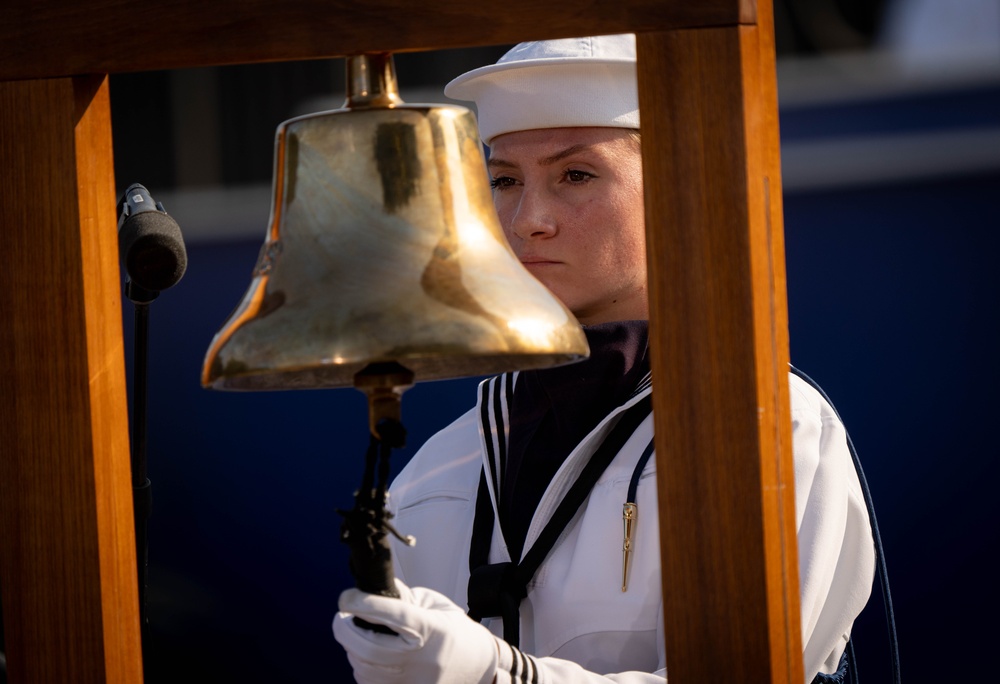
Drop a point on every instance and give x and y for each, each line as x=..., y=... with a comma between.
x=570, y=203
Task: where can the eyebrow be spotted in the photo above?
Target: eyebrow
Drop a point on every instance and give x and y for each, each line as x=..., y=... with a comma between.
x=495, y=163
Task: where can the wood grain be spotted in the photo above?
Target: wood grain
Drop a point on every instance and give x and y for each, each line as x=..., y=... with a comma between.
x=68, y=553
x=69, y=37
x=719, y=345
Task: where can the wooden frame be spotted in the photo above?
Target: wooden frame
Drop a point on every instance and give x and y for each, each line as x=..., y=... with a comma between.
x=718, y=312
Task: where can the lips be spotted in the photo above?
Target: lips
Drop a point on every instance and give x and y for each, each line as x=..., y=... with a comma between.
x=537, y=261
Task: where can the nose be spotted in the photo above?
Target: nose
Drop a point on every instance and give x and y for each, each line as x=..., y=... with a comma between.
x=532, y=216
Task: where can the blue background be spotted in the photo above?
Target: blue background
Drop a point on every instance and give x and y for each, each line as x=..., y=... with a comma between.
x=892, y=291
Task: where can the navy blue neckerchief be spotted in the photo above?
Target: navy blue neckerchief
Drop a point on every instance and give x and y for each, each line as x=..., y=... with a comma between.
x=498, y=589
x=549, y=411
x=536, y=424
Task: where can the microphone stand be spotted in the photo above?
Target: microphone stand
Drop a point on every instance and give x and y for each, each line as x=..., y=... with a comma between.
x=141, y=492
x=152, y=253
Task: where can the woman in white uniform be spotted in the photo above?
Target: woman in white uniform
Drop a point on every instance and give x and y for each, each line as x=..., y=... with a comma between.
x=518, y=573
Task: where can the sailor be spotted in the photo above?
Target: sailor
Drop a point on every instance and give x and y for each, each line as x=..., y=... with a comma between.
x=535, y=512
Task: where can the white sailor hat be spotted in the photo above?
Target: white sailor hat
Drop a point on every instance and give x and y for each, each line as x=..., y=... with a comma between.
x=554, y=84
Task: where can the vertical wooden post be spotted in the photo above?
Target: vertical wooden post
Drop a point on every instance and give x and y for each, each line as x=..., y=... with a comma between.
x=719, y=340
x=68, y=568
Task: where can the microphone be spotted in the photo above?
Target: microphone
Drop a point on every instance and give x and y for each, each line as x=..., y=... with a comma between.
x=149, y=241
x=152, y=252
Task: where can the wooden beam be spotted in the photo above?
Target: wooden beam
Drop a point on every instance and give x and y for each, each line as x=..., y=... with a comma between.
x=719, y=346
x=67, y=566
x=70, y=37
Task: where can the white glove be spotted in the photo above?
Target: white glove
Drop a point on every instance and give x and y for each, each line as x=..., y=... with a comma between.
x=436, y=642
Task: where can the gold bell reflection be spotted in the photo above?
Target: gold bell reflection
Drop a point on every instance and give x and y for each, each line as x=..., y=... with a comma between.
x=384, y=246
x=384, y=265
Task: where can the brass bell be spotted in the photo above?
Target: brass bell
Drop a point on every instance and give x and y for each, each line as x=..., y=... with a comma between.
x=384, y=252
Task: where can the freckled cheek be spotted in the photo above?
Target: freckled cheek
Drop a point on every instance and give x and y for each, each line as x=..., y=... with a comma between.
x=505, y=226
x=506, y=218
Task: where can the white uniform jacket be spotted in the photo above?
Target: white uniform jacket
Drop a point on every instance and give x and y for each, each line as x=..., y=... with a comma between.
x=575, y=614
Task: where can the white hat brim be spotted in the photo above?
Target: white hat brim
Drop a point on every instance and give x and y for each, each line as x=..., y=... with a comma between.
x=550, y=93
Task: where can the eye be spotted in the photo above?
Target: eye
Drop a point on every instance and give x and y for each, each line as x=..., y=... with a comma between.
x=577, y=176
x=501, y=182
